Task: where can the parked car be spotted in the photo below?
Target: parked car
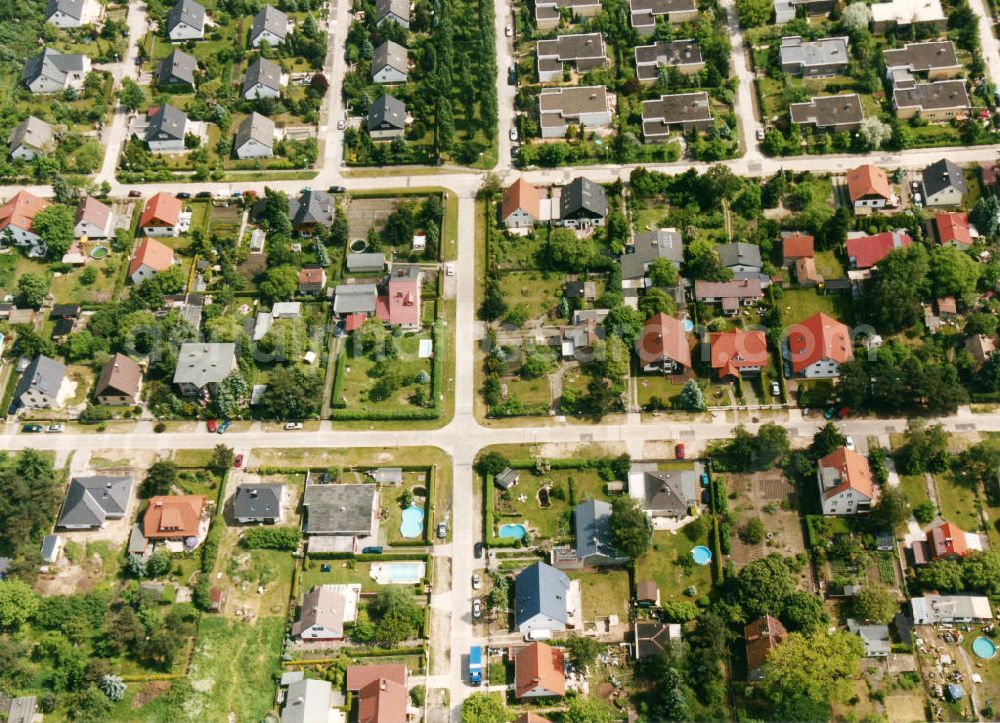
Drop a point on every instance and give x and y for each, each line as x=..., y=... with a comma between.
x=182, y=196
x=760, y=134
x=830, y=413
x=512, y=75
x=513, y=133
x=203, y=194
x=849, y=443
x=508, y=31
x=477, y=582
x=236, y=194
x=54, y=428
x=31, y=428
x=372, y=550
x=135, y=193
x=449, y=269
x=477, y=608
x=341, y=124
x=238, y=461
x=442, y=530
x=478, y=550
x=336, y=189
x=224, y=426
x=679, y=451
x=212, y=425
x=293, y=425
x=775, y=389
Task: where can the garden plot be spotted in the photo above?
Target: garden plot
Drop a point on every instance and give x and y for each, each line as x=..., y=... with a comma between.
x=771, y=498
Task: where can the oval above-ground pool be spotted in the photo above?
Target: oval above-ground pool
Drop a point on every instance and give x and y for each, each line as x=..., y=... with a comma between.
x=413, y=522
x=358, y=245
x=688, y=325
x=515, y=532
x=701, y=555
x=99, y=252
x=984, y=648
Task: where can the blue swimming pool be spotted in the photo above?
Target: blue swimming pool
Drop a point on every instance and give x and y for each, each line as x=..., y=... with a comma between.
x=701, y=555
x=688, y=325
x=984, y=648
x=403, y=572
x=413, y=522
x=515, y=532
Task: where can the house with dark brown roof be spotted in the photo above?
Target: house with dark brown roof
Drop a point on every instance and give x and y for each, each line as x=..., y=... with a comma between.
x=645, y=12
x=937, y=59
x=119, y=382
x=762, y=636
x=582, y=52
x=539, y=672
x=672, y=113
x=730, y=295
x=936, y=102
x=559, y=108
x=829, y=112
x=684, y=55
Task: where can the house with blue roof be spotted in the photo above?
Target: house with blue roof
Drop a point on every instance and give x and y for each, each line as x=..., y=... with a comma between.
x=544, y=599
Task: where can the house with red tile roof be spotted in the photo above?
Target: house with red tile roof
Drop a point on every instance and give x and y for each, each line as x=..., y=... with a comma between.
x=93, y=219
x=521, y=205
x=381, y=692
x=539, y=672
x=868, y=187
x=866, y=251
x=151, y=258
x=173, y=517
x=738, y=352
x=663, y=345
x=312, y=279
x=17, y=218
x=953, y=229
x=947, y=541
x=531, y=718
x=806, y=273
x=762, y=636
x=401, y=305
x=162, y=215
x=818, y=346
x=846, y=485
x=796, y=246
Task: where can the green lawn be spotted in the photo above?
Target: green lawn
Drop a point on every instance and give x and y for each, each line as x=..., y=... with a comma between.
x=657, y=385
x=360, y=376
x=553, y=522
x=799, y=304
x=518, y=252
x=958, y=503
x=529, y=391
x=828, y=265
x=915, y=488
x=539, y=291
x=604, y=592
x=661, y=565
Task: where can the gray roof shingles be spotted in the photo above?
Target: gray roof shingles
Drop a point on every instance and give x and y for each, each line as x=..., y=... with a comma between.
x=540, y=590
x=90, y=500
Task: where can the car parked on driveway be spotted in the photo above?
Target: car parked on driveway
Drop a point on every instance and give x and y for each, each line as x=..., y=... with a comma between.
x=54, y=428
x=477, y=582
x=238, y=461
x=212, y=425
x=477, y=608
x=293, y=425
x=31, y=428
x=679, y=451
x=442, y=530
x=224, y=426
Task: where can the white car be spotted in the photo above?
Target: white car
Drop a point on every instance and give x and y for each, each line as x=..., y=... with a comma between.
x=54, y=428
x=849, y=443
x=760, y=134
x=477, y=608
x=293, y=425
x=513, y=134
x=449, y=269
x=341, y=124
x=508, y=31
x=476, y=582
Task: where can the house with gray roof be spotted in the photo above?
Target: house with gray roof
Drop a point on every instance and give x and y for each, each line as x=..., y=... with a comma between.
x=664, y=493
x=936, y=59
x=263, y=80
x=52, y=547
x=255, y=137
x=506, y=478
x=308, y=701
x=936, y=102
x=366, y=262
x=41, y=384
x=270, y=25
x=341, y=509
x=53, y=72
x=943, y=183
x=814, y=58
x=31, y=138
x=740, y=257
x=875, y=638
x=386, y=118
x=202, y=365
x=644, y=13
x=66, y=13
x=684, y=55
x=592, y=526
x=389, y=63
x=393, y=11
x=829, y=112
x=586, y=106
x=18, y=710
x=661, y=243
x=541, y=595
x=310, y=210
x=583, y=204
x=354, y=299
x=178, y=68
x=166, y=130
x=676, y=112
x=548, y=13
x=91, y=501
x=258, y=503
x=584, y=51
x=186, y=21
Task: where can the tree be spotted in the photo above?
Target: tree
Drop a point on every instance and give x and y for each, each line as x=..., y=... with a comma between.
x=942, y=575
x=893, y=508
x=981, y=571
x=484, y=708
x=656, y=301
x=31, y=290
x=873, y=133
x=222, y=457
x=753, y=12
x=875, y=604
x=662, y=272
x=925, y=512
x=986, y=215
x=18, y=603
x=55, y=225
x=89, y=705
x=160, y=477
x=588, y=710
x=702, y=261
x=292, y=393
x=159, y=564
x=631, y=530
x=625, y=323
x=953, y=272
x=113, y=687
x=924, y=449
x=691, y=398
x=893, y=297
x=856, y=16
x=399, y=617
x=340, y=229
x=763, y=586
x=569, y=252
x=491, y=463
x=815, y=669
x=271, y=538
x=280, y=283
x=131, y=95
x=827, y=440
x=753, y=531
x=804, y=612
x=771, y=445
x=582, y=650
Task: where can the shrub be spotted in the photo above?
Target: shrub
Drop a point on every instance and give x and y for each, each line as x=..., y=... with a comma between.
x=272, y=538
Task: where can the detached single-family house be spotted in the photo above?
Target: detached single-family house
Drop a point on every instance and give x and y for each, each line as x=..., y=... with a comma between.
x=394, y=11
x=541, y=595
x=151, y=258
x=592, y=529
x=981, y=347
x=325, y=609
x=548, y=13
x=41, y=385
x=814, y=59
x=936, y=102
x=186, y=21
x=865, y=251
x=945, y=541
x=312, y=280
x=671, y=494
x=310, y=211
x=386, y=118
x=582, y=52
x=950, y=609
x=202, y=365
x=91, y=501
x=66, y=13
x=255, y=137
x=31, y=138
x=643, y=13
x=936, y=60
x=341, y=509
x=308, y=701
x=846, y=485
x=389, y=63
x=270, y=25
x=539, y=672
x=730, y=295
x=684, y=55
x=351, y=299
x=263, y=80
x=119, y=382
x=93, y=219
x=904, y=13
x=829, y=112
x=652, y=638
x=583, y=204
x=506, y=478
x=585, y=106
x=177, y=69
x=173, y=517
x=953, y=229
x=868, y=187
x=740, y=257
x=738, y=352
x=166, y=129
x=17, y=218
x=161, y=216
x=663, y=345
x=53, y=72
x=875, y=638
x=795, y=246
x=521, y=205
x=818, y=346
x=679, y=112
x=381, y=691
x=662, y=243
x=258, y=503
x=400, y=307
x=944, y=184
x=20, y=709
x=762, y=636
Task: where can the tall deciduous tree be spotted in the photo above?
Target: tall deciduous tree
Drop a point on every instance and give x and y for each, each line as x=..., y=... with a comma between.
x=875, y=604
x=811, y=669
x=631, y=530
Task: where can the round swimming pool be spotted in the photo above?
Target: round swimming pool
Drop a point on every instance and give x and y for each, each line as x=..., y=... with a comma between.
x=688, y=325
x=99, y=252
x=701, y=555
x=513, y=532
x=358, y=245
x=413, y=522
x=984, y=648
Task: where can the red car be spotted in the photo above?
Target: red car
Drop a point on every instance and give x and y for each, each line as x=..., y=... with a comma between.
x=679, y=451
x=238, y=462
x=213, y=426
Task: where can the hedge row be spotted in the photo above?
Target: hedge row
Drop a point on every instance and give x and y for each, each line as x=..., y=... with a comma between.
x=385, y=557
x=337, y=395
